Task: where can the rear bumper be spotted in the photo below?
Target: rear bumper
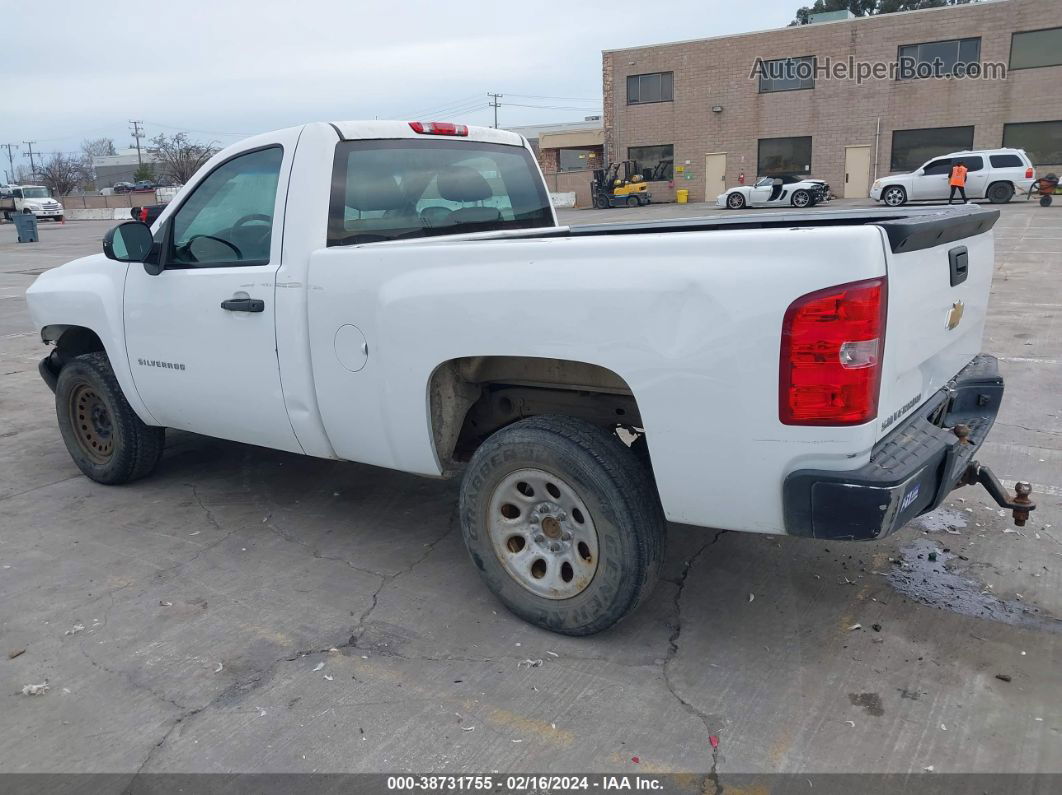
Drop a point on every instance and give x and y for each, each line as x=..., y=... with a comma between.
x=910, y=471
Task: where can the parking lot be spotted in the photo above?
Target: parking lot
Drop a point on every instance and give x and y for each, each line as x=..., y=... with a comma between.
x=251, y=610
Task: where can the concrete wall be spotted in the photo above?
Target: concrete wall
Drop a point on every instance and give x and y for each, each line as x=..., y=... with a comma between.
x=835, y=113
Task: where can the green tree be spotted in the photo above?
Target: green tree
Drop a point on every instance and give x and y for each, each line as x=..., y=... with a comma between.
x=144, y=171
x=866, y=8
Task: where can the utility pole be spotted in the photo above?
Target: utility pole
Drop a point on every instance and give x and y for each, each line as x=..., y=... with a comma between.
x=494, y=104
x=137, y=134
x=10, y=160
x=29, y=146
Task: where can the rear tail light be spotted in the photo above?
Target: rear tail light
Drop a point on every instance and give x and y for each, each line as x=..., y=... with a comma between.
x=830, y=364
x=438, y=128
x=143, y=215
x=1029, y=173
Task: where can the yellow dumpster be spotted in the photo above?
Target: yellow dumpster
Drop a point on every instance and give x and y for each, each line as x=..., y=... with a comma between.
x=682, y=195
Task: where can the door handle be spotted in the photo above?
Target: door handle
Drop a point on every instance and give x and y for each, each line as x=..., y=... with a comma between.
x=243, y=305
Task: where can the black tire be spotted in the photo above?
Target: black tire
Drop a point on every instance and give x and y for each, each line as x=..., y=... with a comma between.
x=894, y=196
x=618, y=494
x=1000, y=192
x=600, y=202
x=58, y=219
x=735, y=201
x=1045, y=201
x=108, y=442
x=801, y=198
x=633, y=201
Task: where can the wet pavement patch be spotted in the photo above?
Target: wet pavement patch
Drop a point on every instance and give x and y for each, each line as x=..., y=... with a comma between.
x=922, y=574
x=871, y=702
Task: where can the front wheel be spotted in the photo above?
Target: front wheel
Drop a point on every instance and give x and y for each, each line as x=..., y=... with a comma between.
x=107, y=441
x=801, y=198
x=735, y=201
x=563, y=522
x=894, y=196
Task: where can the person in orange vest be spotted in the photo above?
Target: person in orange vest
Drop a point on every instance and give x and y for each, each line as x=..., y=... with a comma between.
x=958, y=181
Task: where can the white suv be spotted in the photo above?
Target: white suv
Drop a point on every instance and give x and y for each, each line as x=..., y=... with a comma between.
x=993, y=174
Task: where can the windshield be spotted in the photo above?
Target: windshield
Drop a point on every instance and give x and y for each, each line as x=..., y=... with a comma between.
x=36, y=193
x=394, y=189
x=764, y=182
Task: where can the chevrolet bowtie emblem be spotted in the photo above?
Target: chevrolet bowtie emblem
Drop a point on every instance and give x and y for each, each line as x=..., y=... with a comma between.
x=955, y=314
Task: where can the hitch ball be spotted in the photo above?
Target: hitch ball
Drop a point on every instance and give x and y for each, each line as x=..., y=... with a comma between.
x=1022, y=490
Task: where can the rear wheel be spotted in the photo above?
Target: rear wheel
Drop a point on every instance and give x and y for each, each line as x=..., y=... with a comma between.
x=1045, y=201
x=107, y=441
x=894, y=196
x=563, y=522
x=735, y=201
x=633, y=201
x=801, y=198
x=1000, y=192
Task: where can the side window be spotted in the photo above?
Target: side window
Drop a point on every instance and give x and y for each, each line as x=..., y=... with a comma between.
x=939, y=166
x=228, y=219
x=1006, y=161
x=973, y=163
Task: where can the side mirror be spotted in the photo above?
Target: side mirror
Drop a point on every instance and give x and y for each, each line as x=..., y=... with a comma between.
x=128, y=242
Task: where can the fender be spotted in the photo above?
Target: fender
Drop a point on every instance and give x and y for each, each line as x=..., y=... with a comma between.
x=88, y=292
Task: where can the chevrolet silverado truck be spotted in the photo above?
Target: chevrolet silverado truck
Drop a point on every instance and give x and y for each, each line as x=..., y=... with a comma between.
x=401, y=295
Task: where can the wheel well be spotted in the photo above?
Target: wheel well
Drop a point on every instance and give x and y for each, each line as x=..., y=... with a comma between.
x=72, y=340
x=472, y=397
x=999, y=182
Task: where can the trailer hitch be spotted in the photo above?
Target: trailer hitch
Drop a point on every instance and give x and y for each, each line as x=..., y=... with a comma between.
x=1021, y=504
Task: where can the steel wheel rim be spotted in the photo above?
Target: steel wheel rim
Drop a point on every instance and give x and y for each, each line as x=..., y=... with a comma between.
x=893, y=196
x=543, y=534
x=93, y=426
x=801, y=200
x=735, y=201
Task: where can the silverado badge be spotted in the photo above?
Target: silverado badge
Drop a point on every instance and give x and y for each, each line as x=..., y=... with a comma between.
x=955, y=314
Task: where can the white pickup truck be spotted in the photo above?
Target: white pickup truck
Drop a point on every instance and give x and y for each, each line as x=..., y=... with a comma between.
x=400, y=294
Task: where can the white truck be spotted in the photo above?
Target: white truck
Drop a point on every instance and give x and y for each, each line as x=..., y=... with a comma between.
x=29, y=199
x=401, y=294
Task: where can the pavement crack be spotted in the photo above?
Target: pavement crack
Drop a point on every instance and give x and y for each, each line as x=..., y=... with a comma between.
x=673, y=646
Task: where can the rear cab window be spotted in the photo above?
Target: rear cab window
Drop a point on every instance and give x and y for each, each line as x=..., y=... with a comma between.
x=407, y=188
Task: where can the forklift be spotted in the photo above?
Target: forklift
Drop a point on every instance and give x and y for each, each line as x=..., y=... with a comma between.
x=609, y=189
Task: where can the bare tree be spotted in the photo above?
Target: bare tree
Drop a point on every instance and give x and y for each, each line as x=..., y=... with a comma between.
x=98, y=147
x=179, y=158
x=61, y=173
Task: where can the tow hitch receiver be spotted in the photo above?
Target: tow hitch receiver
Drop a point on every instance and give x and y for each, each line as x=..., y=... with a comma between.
x=1021, y=504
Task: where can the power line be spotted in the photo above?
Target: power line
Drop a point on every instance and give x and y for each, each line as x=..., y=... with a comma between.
x=567, y=99
x=192, y=129
x=494, y=104
x=443, y=108
x=552, y=107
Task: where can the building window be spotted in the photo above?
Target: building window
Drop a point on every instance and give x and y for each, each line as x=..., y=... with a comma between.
x=654, y=163
x=577, y=159
x=1041, y=140
x=1035, y=48
x=655, y=87
x=787, y=74
x=937, y=58
x=912, y=148
x=781, y=157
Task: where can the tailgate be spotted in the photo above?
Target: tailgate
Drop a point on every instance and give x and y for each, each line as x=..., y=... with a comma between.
x=939, y=281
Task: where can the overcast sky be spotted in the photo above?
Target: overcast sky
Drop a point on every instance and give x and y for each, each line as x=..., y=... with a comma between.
x=227, y=68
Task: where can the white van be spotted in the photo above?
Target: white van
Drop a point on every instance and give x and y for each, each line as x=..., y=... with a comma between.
x=993, y=174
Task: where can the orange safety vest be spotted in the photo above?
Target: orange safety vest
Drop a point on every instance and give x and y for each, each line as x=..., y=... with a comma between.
x=958, y=176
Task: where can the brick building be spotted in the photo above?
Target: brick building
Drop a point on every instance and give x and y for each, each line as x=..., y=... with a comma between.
x=697, y=103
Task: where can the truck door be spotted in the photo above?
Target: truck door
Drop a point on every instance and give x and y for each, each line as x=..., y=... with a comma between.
x=201, y=335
